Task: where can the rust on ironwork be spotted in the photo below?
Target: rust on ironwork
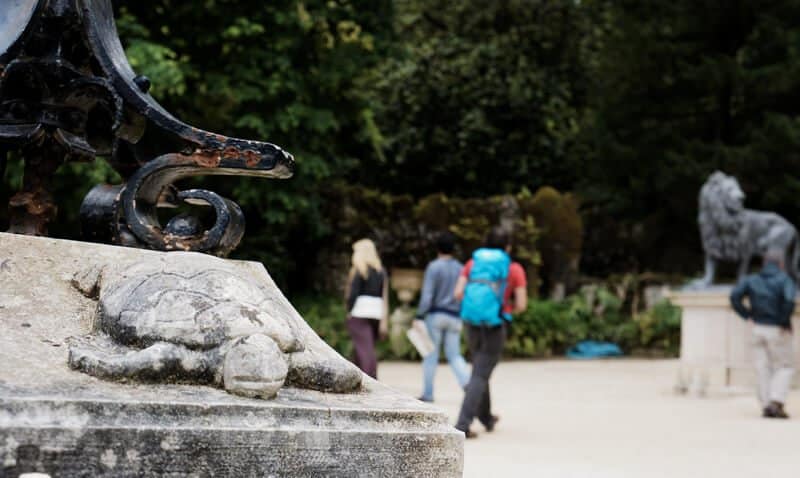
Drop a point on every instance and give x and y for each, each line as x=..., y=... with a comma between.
x=230, y=152
x=208, y=158
x=251, y=158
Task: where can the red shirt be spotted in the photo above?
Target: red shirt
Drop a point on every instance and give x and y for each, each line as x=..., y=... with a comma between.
x=516, y=279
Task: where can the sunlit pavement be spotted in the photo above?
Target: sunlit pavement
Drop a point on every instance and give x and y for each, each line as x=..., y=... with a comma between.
x=615, y=418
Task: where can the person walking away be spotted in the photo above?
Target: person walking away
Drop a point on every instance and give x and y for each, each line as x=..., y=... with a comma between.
x=771, y=294
x=491, y=288
x=368, y=305
x=440, y=311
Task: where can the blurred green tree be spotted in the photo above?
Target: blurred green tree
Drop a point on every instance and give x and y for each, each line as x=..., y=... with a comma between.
x=482, y=97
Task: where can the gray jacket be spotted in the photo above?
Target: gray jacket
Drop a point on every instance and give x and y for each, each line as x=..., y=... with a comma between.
x=440, y=280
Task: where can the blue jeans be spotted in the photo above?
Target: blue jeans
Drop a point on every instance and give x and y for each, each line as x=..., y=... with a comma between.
x=447, y=329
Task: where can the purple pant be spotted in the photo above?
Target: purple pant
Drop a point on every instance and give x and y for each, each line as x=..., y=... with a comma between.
x=364, y=333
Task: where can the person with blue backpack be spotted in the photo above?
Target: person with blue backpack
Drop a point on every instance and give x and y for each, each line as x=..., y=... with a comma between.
x=491, y=288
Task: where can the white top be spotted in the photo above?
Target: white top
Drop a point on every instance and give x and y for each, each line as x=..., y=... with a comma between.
x=368, y=307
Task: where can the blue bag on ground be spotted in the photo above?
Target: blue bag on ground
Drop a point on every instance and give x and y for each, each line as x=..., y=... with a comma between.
x=589, y=349
x=483, y=296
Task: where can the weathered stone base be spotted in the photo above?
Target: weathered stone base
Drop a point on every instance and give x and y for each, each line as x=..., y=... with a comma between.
x=68, y=424
x=190, y=435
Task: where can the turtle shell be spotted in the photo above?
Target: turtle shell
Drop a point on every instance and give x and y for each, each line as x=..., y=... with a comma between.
x=190, y=299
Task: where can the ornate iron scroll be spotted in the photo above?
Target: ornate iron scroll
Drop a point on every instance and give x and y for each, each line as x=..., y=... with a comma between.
x=67, y=93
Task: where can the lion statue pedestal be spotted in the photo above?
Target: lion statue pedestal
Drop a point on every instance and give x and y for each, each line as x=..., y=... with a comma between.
x=715, y=349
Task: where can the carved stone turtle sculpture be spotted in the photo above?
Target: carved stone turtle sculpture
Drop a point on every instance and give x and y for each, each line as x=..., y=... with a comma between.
x=189, y=317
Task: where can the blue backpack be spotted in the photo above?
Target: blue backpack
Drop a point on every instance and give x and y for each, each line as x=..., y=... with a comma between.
x=483, y=296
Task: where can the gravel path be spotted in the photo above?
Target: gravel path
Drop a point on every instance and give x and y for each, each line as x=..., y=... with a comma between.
x=615, y=418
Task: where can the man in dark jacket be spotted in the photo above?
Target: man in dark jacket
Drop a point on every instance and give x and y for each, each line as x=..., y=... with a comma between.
x=771, y=296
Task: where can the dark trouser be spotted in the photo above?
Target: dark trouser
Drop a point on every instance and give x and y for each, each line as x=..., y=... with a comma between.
x=485, y=347
x=364, y=333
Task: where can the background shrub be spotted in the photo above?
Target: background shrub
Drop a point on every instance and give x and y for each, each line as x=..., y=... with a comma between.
x=547, y=328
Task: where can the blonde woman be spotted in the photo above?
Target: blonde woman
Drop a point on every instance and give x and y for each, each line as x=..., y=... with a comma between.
x=367, y=305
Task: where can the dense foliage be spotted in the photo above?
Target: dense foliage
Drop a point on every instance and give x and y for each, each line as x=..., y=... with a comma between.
x=484, y=97
x=405, y=228
x=627, y=104
x=550, y=328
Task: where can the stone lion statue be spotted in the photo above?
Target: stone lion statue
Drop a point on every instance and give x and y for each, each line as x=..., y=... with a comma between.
x=732, y=233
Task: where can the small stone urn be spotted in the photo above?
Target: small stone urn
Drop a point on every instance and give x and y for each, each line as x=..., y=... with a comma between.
x=406, y=283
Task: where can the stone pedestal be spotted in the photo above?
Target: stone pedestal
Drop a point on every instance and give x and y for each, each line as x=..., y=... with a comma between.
x=715, y=350
x=65, y=423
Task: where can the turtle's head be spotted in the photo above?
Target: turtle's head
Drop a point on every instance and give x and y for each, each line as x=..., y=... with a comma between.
x=254, y=366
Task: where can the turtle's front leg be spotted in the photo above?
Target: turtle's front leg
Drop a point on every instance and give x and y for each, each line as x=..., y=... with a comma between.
x=161, y=360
